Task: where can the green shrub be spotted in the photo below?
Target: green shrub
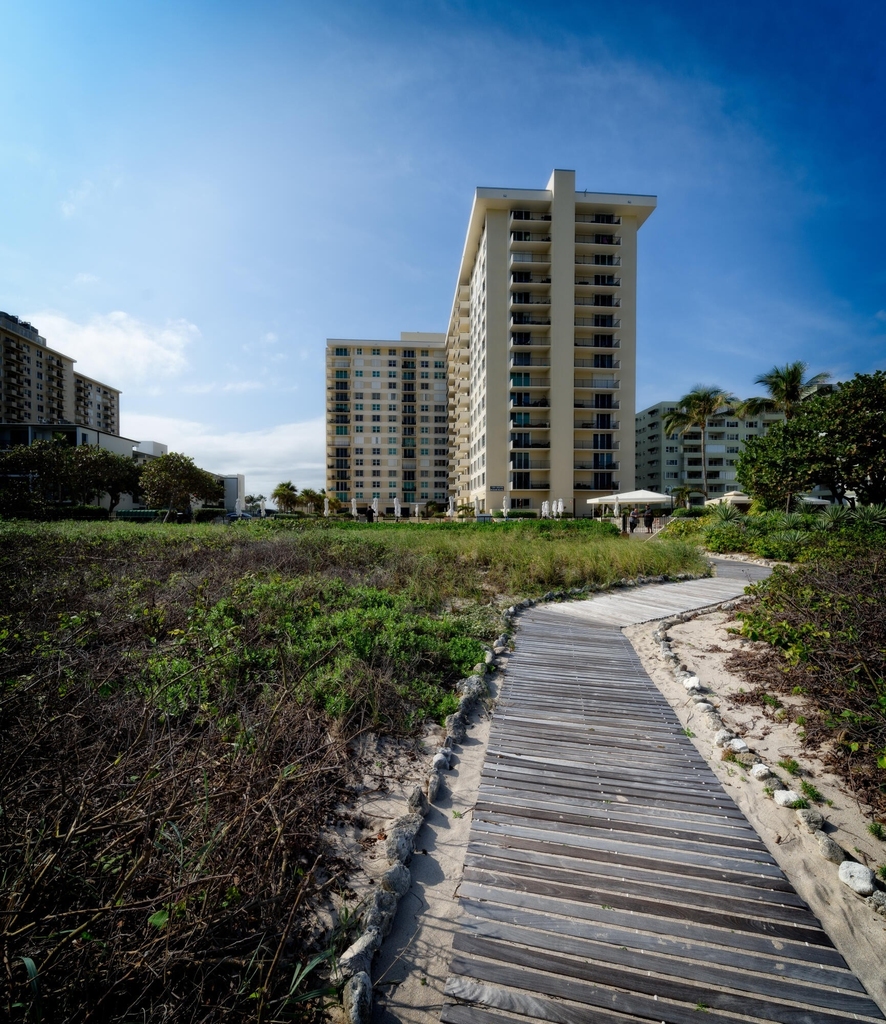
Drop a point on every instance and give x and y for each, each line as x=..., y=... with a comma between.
x=206, y=515
x=726, y=537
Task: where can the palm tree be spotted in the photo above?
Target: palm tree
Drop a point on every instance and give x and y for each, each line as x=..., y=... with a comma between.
x=285, y=496
x=693, y=412
x=787, y=386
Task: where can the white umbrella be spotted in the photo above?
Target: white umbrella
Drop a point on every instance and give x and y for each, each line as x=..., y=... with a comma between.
x=617, y=509
x=505, y=505
x=375, y=507
x=354, y=507
x=476, y=507
x=545, y=509
x=397, y=509
x=416, y=510
x=238, y=506
x=326, y=507
x=261, y=506
x=560, y=508
x=451, y=506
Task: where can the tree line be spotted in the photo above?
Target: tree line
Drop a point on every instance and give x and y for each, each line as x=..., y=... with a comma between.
x=53, y=474
x=832, y=435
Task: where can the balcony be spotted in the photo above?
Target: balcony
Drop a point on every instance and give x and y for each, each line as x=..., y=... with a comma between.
x=595, y=446
x=520, y=444
x=594, y=465
x=518, y=319
x=531, y=425
x=542, y=258
x=530, y=464
x=529, y=236
x=530, y=299
x=600, y=383
x=593, y=364
x=519, y=359
x=533, y=218
x=528, y=278
x=518, y=339
x=538, y=403
x=533, y=485
x=596, y=321
x=598, y=281
x=606, y=341
x=597, y=218
x=595, y=424
x=599, y=260
x=597, y=239
x=612, y=485
x=531, y=382
x=597, y=300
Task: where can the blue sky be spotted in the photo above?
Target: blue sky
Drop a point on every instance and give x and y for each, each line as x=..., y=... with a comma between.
x=195, y=195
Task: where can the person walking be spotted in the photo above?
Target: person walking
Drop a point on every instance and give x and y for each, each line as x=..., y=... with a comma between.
x=648, y=518
x=634, y=519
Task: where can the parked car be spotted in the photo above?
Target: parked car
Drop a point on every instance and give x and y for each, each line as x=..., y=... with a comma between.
x=233, y=516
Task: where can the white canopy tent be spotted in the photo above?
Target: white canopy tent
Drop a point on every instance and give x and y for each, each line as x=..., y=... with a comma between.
x=633, y=498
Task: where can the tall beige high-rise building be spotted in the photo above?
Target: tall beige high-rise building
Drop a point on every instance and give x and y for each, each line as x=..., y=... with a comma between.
x=387, y=420
x=541, y=346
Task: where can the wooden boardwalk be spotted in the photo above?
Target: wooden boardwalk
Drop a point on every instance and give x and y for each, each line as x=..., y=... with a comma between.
x=609, y=877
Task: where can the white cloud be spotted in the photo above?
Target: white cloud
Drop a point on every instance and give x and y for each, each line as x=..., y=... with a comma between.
x=76, y=198
x=118, y=349
x=86, y=279
x=288, y=451
x=231, y=387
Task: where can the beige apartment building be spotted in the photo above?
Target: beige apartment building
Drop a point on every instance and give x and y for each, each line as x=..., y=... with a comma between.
x=387, y=429
x=666, y=462
x=541, y=346
x=39, y=385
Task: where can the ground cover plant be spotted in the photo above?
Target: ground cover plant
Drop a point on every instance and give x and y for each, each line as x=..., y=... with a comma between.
x=799, y=536
x=176, y=709
x=824, y=624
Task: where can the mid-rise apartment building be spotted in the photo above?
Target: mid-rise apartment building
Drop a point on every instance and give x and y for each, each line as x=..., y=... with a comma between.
x=541, y=346
x=39, y=385
x=666, y=462
x=387, y=431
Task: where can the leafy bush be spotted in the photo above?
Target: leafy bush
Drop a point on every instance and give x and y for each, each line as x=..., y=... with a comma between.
x=693, y=512
x=206, y=515
x=825, y=624
x=726, y=537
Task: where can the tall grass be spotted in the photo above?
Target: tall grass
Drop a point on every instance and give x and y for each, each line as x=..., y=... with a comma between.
x=176, y=708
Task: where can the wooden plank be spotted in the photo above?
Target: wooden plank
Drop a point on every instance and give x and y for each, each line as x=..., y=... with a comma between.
x=551, y=974
x=666, y=900
x=484, y=842
x=599, y=847
x=703, y=951
x=646, y=872
x=657, y=962
x=593, y=914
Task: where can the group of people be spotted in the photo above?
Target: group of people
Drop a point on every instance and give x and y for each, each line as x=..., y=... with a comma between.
x=648, y=519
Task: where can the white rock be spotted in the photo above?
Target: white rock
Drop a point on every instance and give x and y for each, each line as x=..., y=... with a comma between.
x=691, y=681
x=357, y=998
x=722, y=737
x=859, y=878
x=761, y=772
x=703, y=706
x=811, y=818
x=830, y=850
x=440, y=762
x=738, y=746
x=785, y=797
